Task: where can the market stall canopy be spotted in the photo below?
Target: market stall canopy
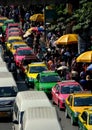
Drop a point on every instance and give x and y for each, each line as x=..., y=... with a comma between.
x=37, y=17
x=67, y=39
x=85, y=57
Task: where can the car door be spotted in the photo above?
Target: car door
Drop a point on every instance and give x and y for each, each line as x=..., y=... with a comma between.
x=56, y=93
x=82, y=121
x=68, y=105
x=36, y=81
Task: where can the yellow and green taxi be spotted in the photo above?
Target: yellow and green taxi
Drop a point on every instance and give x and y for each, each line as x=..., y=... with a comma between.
x=85, y=120
x=2, y=19
x=16, y=45
x=76, y=103
x=12, y=39
x=32, y=71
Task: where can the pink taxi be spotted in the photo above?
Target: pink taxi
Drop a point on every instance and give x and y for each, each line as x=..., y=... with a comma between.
x=62, y=90
x=21, y=53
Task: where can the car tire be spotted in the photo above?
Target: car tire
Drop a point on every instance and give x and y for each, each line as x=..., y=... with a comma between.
x=79, y=128
x=53, y=101
x=66, y=113
x=59, y=106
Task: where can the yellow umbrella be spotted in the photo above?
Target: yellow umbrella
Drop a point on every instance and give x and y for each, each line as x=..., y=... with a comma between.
x=67, y=39
x=85, y=57
x=37, y=17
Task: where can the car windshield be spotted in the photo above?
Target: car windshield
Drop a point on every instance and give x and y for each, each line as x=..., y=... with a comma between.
x=28, y=61
x=90, y=119
x=17, y=46
x=7, y=92
x=50, y=78
x=25, y=52
x=14, y=40
x=37, y=69
x=2, y=20
x=83, y=101
x=13, y=31
x=70, y=89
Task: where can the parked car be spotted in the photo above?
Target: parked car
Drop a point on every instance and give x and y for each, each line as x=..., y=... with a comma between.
x=32, y=71
x=25, y=61
x=62, y=90
x=12, y=25
x=21, y=53
x=85, y=120
x=13, y=32
x=2, y=19
x=45, y=80
x=16, y=45
x=76, y=103
x=8, y=92
x=10, y=40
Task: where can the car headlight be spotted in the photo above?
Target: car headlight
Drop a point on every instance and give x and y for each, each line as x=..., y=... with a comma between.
x=76, y=114
x=62, y=99
x=41, y=88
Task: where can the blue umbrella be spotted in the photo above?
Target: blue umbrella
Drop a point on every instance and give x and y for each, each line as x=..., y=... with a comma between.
x=89, y=68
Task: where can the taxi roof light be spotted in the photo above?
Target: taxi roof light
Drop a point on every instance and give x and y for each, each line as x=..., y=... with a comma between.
x=82, y=92
x=68, y=81
x=90, y=109
x=38, y=63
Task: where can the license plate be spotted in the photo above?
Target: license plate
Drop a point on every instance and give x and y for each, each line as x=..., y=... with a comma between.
x=4, y=114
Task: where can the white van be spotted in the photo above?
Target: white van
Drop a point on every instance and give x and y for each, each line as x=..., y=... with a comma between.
x=3, y=67
x=8, y=91
x=40, y=118
x=24, y=100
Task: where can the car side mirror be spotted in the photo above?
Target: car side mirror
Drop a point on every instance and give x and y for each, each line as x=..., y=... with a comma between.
x=84, y=122
x=25, y=71
x=15, y=122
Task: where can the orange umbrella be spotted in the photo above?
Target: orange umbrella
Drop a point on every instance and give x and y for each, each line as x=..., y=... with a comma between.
x=67, y=39
x=37, y=17
x=85, y=57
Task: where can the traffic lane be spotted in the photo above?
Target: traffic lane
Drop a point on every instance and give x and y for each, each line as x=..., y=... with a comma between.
x=65, y=123
x=5, y=126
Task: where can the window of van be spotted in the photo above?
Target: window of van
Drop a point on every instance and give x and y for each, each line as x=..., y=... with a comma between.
x=18, y=114
x=7, y=92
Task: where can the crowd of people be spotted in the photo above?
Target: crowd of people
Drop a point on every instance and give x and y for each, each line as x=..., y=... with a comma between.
x=46, y=49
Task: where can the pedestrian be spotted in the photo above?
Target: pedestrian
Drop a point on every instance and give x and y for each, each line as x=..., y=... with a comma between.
x=89, y=83
x=83, y=82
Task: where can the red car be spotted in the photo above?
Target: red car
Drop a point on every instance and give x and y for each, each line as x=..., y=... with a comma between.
x=21, y=53
x=12, y=25
x=62, y=90
x=13, y=32
x=25, y=61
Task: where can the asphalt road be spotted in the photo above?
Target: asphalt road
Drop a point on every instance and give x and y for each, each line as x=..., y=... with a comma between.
x=6, y=124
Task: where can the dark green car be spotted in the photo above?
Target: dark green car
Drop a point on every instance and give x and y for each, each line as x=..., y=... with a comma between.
x=46, y=80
